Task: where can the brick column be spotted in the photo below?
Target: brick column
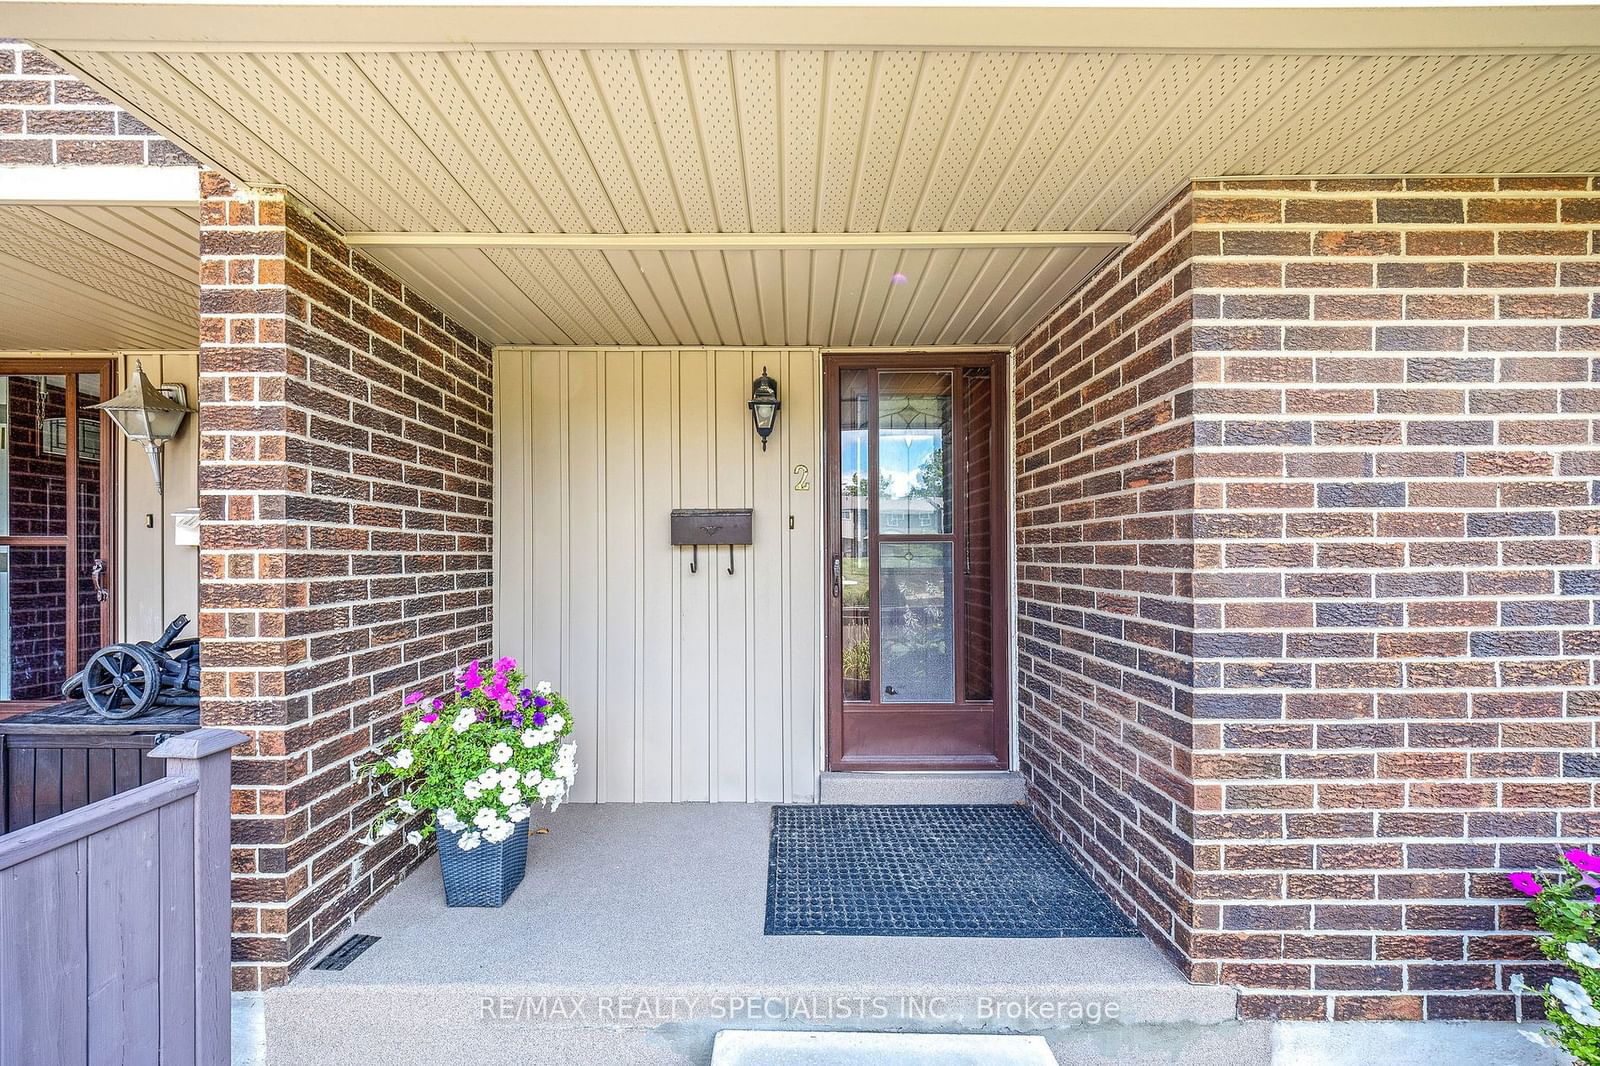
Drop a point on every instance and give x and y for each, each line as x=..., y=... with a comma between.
x=1304, y=718
x=345, y=495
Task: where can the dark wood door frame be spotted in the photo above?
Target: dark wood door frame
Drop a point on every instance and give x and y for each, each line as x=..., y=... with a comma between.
x=71, y=368
x=1000, y=537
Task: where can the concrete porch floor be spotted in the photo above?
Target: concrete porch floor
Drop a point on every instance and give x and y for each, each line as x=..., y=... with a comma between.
x=637, y=935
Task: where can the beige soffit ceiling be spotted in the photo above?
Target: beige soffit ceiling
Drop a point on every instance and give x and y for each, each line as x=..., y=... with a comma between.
x=93, y=278
x=432, y=132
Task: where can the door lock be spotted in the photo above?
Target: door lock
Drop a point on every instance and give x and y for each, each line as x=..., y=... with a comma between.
x=838, y=574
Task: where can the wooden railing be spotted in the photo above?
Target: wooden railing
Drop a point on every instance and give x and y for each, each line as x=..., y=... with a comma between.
x=114, y=922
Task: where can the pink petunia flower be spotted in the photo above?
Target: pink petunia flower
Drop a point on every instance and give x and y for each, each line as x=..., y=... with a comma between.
x=1524, y=882
x=505, y=664
x=415, y=697
x=1582, y=860
x=430, y=718
x=470, y=678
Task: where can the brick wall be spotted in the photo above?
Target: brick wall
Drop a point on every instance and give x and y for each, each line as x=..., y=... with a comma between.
x=345, y=494
x=49, y=116
x=1104, y=446
x=1395, y=527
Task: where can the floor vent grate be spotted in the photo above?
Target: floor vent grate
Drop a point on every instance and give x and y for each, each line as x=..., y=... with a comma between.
x=346, y=953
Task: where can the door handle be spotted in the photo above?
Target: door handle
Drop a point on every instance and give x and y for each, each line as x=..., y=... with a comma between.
x=96, y=572
x=838, y=573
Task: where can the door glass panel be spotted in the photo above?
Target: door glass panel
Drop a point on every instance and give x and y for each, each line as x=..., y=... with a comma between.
x=36, y=623
x=978, y=558
x=914, y=442
x=855, y=518
x=89, y=518
x=33, y=489
x=916, y=623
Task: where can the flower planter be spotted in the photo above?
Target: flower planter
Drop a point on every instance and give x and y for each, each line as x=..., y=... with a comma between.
x=484, y=876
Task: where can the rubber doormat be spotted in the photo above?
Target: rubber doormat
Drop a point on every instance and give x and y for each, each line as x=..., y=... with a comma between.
x=937, y=870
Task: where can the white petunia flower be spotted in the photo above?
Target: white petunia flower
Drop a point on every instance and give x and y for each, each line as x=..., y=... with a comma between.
x=555, y=722
x=386, y=829
x=420, y=727
x=414, y=838
x=402, y=759
x=530, y=739
x=508, y=776
x=1584, y=955
x=467, y=841
x=498, y=831
x=1584, y=1015
x=550, y=788
x=472, y=790
x=544, y=688
x=485, y=817
x=510, y=794
x=447, y=817
x=532, y=778
x=1571, y=994
x=519, y=812
x=500, y=753
x=406, y=806
x=463, y=721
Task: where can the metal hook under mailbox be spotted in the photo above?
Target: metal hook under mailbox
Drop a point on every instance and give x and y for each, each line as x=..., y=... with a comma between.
x=730, y=558
x=694, y=561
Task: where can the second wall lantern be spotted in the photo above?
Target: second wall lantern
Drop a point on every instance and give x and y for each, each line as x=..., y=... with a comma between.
x=146, y=417
x=764, y=405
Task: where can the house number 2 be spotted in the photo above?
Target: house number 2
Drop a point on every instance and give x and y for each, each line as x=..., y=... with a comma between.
x=802, y=478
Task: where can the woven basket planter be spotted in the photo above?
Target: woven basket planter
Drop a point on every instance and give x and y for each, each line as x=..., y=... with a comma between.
x=485, y=876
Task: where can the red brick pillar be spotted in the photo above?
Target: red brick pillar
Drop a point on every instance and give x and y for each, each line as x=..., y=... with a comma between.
x=345, y=494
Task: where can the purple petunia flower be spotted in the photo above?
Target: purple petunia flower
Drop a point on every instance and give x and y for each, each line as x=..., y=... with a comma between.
x=415, y=697
x=437, y=704
x=1582, y=860
x=540, y=702
x=538, y=718
x=515, y=718
x=1525, y=883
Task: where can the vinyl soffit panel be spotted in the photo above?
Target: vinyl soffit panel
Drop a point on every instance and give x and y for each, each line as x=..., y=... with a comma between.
x=661, y=142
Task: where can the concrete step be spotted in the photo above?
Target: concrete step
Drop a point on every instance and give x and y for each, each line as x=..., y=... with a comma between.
x=1004, y=786
x=758, y=1047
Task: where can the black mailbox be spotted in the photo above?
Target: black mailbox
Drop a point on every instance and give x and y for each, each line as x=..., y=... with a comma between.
x=711, y=526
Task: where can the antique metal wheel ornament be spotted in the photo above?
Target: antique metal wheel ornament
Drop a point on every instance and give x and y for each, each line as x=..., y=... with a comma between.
x=122, y=681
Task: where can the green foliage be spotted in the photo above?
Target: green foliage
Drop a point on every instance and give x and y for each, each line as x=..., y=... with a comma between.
x=858, y=661
x=446, y=761
x=1564, y=907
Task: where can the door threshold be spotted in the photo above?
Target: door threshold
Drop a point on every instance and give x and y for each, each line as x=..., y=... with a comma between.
x=921, y=786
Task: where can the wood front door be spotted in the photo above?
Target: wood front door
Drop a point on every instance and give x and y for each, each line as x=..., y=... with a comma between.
x=56, y=522
x=916, y=596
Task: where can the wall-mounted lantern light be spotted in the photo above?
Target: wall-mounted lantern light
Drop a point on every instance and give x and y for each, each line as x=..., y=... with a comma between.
x=764, y=405
x=146, y=416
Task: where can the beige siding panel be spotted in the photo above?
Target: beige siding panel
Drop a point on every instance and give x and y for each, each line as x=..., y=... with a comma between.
x=686, y=686
x=620, y=576
x=658, y=673
x=697, y=635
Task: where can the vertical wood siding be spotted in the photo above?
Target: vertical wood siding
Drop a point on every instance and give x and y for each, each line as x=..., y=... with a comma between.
x=686, y=686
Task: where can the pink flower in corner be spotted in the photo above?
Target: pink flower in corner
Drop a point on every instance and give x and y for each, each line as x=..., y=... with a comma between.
x=470, y=678
x=1582, y=860
x=505, y=664
x=1524, y=882
x=415, y=697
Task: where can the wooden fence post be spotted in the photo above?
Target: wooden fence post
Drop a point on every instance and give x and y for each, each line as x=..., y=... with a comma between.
x=204, y=756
